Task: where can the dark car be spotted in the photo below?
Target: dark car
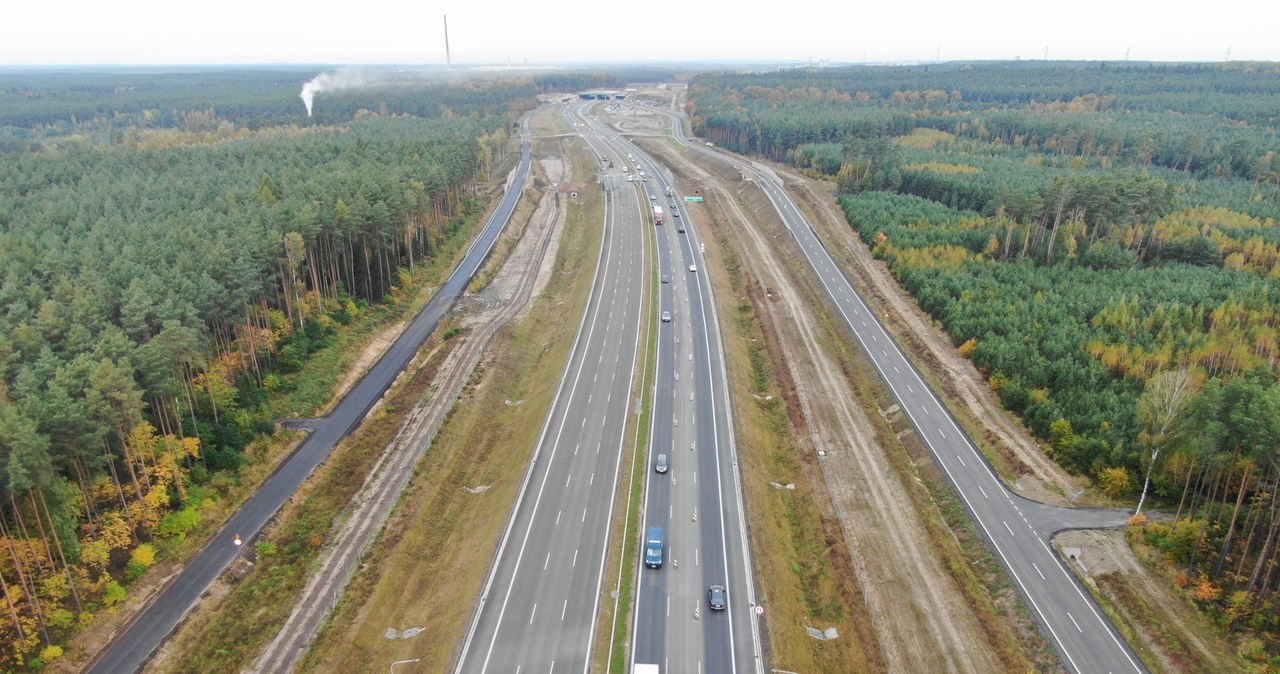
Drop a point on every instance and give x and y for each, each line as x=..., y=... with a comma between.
x=717, y=597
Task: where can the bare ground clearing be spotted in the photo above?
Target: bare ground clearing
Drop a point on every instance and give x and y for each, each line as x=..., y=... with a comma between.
x=1174, y=635
x=369, y=354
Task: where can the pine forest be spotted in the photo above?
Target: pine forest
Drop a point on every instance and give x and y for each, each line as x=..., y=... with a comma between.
x=1101, y=240
x=173, y=246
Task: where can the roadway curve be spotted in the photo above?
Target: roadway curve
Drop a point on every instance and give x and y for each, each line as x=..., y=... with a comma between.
x=130, y=649
x=1018, y=530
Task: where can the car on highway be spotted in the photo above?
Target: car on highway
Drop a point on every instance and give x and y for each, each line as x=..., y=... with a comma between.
x=666, y=317
x=666, y=279
x=652, y=198
x=675, y=213
x=660, y=465
x=693, y=267
x=717, y=597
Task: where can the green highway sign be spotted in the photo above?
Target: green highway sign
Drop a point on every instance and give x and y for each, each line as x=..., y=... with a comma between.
x=693, y=198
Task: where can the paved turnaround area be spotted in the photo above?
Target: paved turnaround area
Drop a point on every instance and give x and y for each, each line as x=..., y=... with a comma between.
x=1017, y=530
x=130, y=650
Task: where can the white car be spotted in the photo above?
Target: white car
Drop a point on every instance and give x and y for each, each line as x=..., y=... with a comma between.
x=666, y=317
x=693, y=267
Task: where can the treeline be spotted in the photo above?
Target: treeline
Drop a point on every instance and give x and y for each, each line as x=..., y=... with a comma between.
x=1101, y=241
x=1224, y=126
x=155, y=294
x=1085, y=350
x=39, y=107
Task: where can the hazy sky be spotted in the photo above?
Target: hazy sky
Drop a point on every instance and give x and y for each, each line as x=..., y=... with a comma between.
x=549, y=33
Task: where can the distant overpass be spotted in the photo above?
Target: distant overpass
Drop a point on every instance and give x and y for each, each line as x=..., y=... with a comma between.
x=601, y=95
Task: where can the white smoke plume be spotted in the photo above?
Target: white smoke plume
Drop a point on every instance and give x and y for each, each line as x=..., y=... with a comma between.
x=342, y=79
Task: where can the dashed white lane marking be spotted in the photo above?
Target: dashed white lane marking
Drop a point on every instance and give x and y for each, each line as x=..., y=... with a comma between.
x=1038, y=571
x=1073, y=622
x=984, y=492
x=1006, y=526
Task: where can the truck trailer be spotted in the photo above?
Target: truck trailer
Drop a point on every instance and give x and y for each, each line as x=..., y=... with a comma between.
x=657, y=215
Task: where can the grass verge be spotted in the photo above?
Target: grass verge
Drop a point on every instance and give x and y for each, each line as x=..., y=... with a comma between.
x=612, y=653
x=228, y=637
x=1007, y=628
x=800, y=559
x=430, y=562
x=1006, y=624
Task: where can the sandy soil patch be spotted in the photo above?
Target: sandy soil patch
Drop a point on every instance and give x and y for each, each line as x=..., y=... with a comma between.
x=1105, y=559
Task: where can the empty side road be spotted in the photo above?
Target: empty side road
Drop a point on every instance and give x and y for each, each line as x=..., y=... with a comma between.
x=130, y=650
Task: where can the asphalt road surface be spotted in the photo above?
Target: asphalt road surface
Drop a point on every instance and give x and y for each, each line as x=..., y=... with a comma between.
x=698, y=502
x=537, y=613
x=1017, y=530
x=130, y=650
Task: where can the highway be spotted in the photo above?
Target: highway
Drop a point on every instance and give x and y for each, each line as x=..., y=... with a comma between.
x=698, y=502
x=537, y=612
x=130, y=650
x=1016, y=529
